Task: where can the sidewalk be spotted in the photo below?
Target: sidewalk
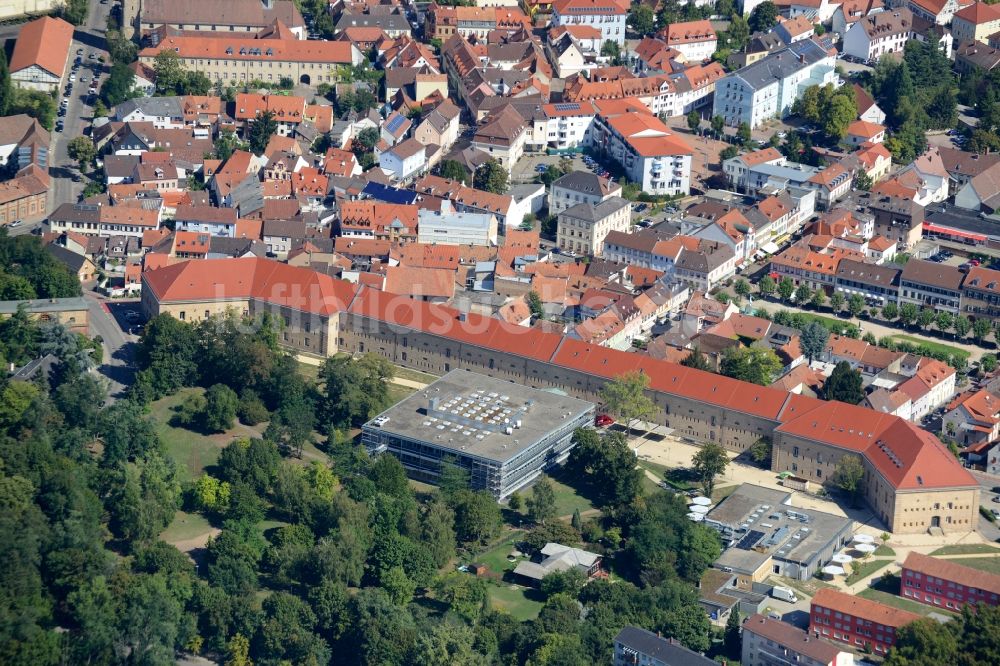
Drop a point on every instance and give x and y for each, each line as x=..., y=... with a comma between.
x=878, y=330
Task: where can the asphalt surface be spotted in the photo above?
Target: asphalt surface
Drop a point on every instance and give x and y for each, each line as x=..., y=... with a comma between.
x=108, y=320
x=80, y=112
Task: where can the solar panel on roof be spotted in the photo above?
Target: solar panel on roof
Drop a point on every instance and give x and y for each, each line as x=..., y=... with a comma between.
x=394, y=124
x=750, y=540
x=568, y=107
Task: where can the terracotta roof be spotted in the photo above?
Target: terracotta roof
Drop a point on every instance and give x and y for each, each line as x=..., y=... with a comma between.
x=191, y=242
x=952, y=571
x=867, y=609
x=420, y=282
x=979, y=13
x=279, y=283
x=578, y=31
x=759, y=157
x=286, y=108
x=865, y=129
x=908, y=457
x=648, y=135
x=43, y=42
x=600, y=328
x=590, y=7
x=982, y=405
x=799, y=25
x=429, y=255
x=233, y=47
x=689, y=32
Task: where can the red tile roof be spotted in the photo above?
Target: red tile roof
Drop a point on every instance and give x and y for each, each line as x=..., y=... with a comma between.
x=689, y=32
x=223, y=279
x=232, y=47
x=44, y=42
x=420, y=282
x=908, y=457
x=952, y=571
x=867, y=609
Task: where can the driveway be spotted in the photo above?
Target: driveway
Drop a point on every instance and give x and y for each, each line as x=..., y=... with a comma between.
x=108, y=320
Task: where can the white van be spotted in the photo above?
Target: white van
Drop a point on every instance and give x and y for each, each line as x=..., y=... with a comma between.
x=784, y=593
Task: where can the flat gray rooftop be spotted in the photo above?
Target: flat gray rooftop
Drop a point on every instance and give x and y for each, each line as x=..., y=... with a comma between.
x=768, y=527
x=45, y=305
x=472, y=413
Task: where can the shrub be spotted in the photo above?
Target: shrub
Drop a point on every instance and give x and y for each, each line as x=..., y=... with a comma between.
x=251, y=409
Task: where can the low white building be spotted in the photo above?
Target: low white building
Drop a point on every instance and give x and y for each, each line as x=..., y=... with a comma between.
x=448, y=227
x=210, y=220
x=404, y=160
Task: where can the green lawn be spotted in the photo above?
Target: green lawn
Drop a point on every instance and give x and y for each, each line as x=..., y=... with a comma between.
x=397, y=392
x=185, y=526
x=967, y=549
x=567, y=499
x=830, y=323
x=861, y=569
x=308, y=370
x=496, y=557
x=933, y=346
x=191, y=451
x=719, y=494
x=887, y=594
x=414, y=375
x=988, y=564
x=884, y=551
x=521, y=602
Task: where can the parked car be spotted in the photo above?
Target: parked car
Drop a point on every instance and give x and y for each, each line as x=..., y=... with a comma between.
x=603, y=421
x=15, y=224
x=132, y=315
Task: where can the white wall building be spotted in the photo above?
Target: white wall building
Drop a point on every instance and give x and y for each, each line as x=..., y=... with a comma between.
x=650, y=153
x=404, y=160
x=567, y=123
x=608, y=17
x=768, y=88
x=448, y=227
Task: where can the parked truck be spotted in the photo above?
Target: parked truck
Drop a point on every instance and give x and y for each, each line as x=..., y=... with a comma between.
x=784, y=593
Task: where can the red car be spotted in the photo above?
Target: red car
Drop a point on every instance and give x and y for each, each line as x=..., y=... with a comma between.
x=603, y=421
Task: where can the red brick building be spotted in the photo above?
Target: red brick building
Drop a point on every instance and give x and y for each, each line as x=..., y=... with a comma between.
x=947, y=584
x=858, y=622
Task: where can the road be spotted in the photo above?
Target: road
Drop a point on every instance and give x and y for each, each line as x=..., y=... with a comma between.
x=80, y=112
x=107, y=319
x=876, y=329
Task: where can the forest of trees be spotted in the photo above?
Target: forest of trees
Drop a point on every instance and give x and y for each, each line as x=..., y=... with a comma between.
x=354, y=566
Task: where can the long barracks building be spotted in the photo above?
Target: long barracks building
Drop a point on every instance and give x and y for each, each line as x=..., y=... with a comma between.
x=911, y=481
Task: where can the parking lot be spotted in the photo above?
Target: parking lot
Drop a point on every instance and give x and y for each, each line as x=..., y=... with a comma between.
x=529, y=167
